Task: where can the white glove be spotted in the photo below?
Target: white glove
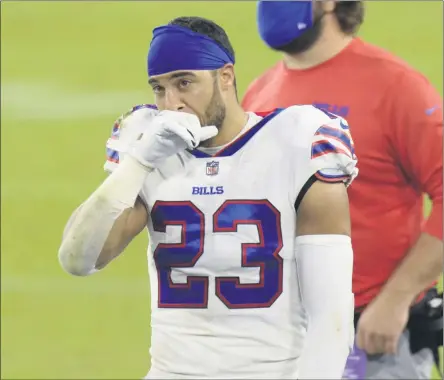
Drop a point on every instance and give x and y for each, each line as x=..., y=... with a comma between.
x=169, y=133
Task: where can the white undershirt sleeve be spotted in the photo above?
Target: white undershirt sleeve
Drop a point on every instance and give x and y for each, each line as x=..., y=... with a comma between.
x=325, y=264
x=89, y=227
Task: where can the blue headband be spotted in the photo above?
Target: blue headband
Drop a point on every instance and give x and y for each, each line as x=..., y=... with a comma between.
x=280, y=22
x=177, y=48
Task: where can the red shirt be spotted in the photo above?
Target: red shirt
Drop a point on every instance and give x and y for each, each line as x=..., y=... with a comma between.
x=395, y=117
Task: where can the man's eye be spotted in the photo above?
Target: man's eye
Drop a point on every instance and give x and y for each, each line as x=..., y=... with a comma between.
x=157, y=89
x=184, y=83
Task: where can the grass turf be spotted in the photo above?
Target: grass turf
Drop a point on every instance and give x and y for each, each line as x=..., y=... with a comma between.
x=68, y=70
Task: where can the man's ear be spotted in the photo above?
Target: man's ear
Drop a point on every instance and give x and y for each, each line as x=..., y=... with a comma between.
x=226, y=77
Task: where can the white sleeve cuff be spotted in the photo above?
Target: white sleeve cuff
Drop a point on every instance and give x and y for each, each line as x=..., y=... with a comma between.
x=325, y=264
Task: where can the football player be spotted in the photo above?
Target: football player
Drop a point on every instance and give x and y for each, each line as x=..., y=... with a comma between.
x=247, y=216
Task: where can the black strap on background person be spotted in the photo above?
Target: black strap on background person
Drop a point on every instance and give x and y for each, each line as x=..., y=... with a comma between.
x=425, y=325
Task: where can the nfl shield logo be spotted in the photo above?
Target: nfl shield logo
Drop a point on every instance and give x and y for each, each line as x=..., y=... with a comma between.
x=212, y=168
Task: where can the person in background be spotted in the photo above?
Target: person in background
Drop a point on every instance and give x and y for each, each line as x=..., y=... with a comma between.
x=396, y=120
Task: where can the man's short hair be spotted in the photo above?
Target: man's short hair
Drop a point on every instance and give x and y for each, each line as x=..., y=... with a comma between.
x=350, y=15
x=207, y=28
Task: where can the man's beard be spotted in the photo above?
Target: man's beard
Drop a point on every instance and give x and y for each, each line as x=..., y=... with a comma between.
x=306, y=40
x=216, y=111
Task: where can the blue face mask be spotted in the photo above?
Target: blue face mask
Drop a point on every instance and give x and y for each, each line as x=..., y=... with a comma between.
x=280, y=22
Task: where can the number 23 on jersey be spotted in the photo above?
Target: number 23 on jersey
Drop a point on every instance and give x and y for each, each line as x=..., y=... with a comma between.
x=263, y=255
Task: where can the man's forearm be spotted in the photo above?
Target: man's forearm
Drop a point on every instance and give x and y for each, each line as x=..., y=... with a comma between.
x=326, y=349
x=321, y=260
x=422, y=265
x=88, y=229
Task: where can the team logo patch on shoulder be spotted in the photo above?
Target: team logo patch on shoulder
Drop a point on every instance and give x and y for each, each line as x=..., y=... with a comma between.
x=212, y=168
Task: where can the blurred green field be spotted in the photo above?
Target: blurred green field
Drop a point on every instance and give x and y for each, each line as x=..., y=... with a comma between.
x=68, y=70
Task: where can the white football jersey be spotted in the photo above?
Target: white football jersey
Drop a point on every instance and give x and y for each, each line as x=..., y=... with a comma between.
x=221, y=257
